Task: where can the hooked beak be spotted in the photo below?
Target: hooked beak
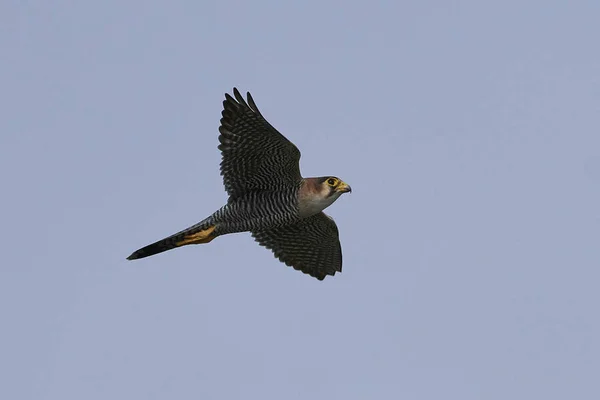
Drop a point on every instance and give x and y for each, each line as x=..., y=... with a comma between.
x=343, y=187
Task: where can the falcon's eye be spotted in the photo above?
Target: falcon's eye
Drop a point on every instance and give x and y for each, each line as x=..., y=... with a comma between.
x=331, y=182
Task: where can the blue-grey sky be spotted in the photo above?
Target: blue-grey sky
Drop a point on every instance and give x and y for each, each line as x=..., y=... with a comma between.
x=469, y=131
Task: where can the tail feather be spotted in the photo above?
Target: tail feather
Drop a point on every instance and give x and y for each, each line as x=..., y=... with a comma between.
x=199, y=233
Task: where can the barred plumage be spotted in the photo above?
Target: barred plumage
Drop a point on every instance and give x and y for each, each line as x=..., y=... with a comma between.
x=267, y=196
x=255, y=155
x=257, y=210
x=310, y=245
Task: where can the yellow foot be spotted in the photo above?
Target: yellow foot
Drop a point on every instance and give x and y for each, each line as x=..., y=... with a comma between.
x=203, y=236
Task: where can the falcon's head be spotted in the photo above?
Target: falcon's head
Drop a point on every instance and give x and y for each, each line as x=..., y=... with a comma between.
x=316, y=194
x=333, y=186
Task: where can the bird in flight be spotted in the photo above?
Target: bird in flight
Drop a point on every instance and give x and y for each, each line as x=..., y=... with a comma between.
x=267, y=196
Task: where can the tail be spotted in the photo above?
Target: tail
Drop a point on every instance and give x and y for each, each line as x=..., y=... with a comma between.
x=202, y=232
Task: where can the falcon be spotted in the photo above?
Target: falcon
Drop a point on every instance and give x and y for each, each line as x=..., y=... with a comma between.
x=267, y=196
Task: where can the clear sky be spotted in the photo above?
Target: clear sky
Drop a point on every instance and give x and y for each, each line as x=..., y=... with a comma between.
x=469, y=131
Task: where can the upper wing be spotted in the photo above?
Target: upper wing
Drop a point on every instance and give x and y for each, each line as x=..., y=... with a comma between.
x=254, y=154
x=311, y=245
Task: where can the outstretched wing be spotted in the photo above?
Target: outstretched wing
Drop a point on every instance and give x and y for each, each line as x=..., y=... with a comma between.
x=311, y=245
x=255, y=156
